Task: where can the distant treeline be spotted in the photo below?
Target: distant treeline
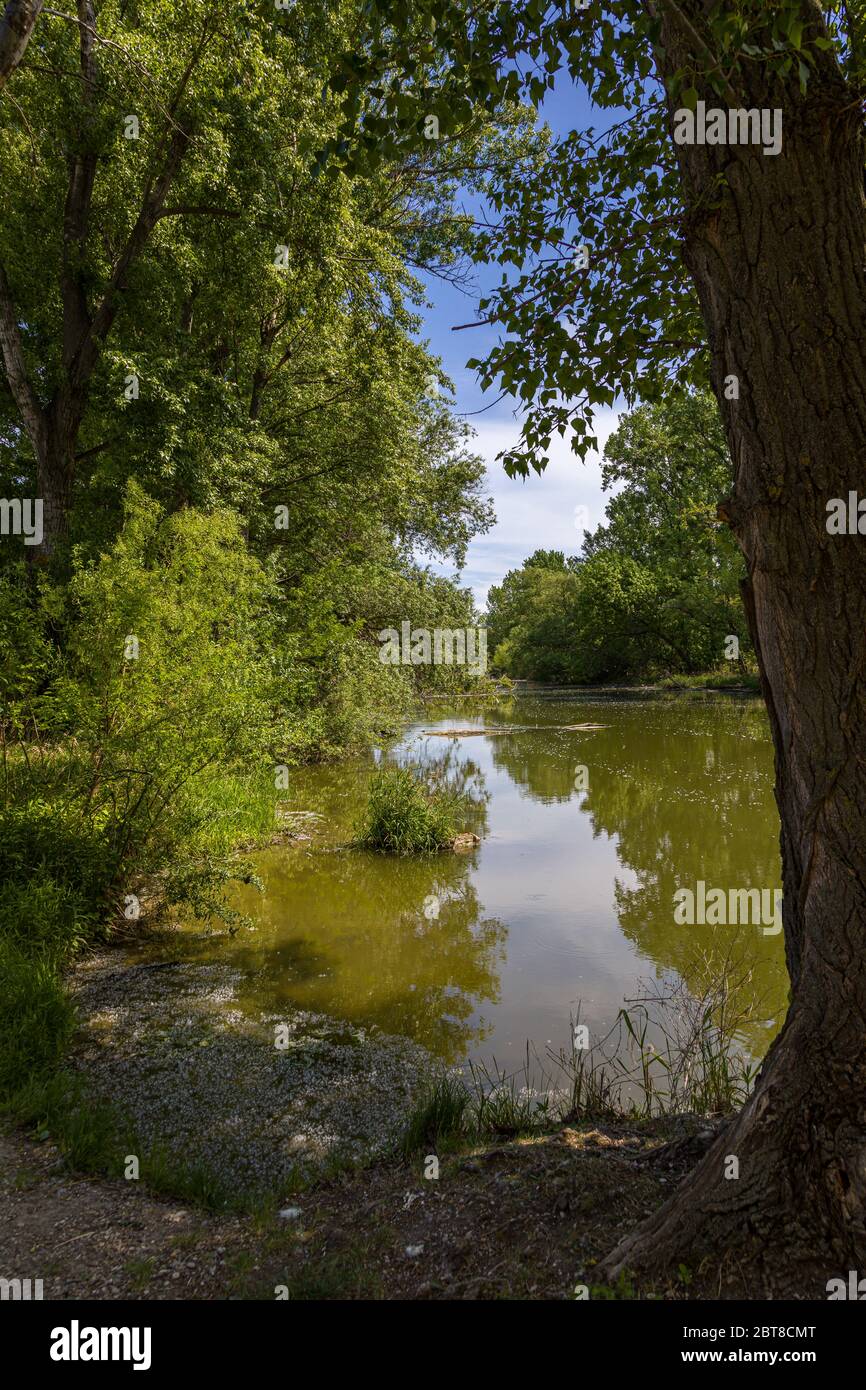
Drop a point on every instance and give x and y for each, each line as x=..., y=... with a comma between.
x=655, y=589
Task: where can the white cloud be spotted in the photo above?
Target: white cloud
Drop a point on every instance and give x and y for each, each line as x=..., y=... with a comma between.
x=539, y=512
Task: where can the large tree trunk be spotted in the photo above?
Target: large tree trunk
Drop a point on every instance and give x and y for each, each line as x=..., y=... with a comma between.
x=55, y=477
x=779, y=268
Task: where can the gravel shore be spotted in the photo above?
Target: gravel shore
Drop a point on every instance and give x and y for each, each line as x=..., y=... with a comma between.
x=198, y=1078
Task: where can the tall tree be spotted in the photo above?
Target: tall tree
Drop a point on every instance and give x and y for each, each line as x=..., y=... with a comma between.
x=180, y=298
x=671, y=464
x=648, y=251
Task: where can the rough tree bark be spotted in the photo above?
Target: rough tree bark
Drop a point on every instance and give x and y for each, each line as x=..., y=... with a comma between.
x=778, y=262
x=16, y=26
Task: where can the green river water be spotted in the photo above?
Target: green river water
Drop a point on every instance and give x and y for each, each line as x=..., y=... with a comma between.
x=566, y=905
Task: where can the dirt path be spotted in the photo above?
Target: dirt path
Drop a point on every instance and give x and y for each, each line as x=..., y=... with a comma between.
x=525, y=1219
x=89, y=1238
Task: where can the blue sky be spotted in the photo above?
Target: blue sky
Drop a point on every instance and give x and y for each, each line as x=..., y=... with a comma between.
x=539, y=512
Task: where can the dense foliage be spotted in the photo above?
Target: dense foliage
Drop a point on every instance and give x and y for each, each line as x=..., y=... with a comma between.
x=575, y=331
x=211, y=372
x=188, y=305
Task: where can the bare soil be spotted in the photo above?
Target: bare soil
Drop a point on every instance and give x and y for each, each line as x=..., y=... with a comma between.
x=524, y=1219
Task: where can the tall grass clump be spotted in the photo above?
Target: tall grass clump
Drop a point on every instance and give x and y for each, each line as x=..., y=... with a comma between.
x=440, y=1119
x=481, y=1104
x=676, y=1048
x=36, y=1018
x=407, y=815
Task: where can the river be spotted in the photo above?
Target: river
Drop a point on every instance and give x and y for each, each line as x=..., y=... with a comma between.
x=566, y=907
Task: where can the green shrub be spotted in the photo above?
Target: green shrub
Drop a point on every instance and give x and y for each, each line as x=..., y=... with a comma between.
x=121, y=772
x=405, y=815
x=198, y=700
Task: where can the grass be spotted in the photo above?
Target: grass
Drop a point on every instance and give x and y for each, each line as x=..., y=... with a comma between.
x=441, y=1118
x=282, y=1265
x=235, y=809
x=671, y=1051
x=64, y=875
x=94, y=1139
x=168, y=1176
x=36, y=1018
x=141, y=1272
x=461, y=1111
x=725, y=679
x=54, y=1106
x=623, y=1291
x=51, y=885
x=347, y=1275
x=407, y=815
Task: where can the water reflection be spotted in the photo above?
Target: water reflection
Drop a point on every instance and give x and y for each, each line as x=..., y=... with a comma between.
x=685, y=791
x=568, y=899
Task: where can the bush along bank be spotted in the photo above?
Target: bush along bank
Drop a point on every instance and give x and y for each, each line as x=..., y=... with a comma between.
x=147, y=699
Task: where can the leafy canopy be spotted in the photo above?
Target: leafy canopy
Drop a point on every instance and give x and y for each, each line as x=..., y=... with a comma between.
x=572, y=337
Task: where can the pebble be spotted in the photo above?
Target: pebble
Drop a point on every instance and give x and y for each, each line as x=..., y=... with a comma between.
x=253, y=1116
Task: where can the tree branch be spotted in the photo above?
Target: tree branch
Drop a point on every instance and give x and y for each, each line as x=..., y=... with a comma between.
x=96, y=449
x=154, y=198
x=79, y=194
x=84, y=356
x=191, y=211
x=702, y=47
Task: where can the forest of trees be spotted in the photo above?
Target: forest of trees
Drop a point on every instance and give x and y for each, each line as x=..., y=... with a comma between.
x=214, y=383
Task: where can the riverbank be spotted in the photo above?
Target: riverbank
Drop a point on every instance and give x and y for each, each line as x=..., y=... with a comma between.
x=274, y=1060
x=254, y=1105
x=275, y=1141
x=712, y=682
x=525, y=1219
x=246, y=1170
